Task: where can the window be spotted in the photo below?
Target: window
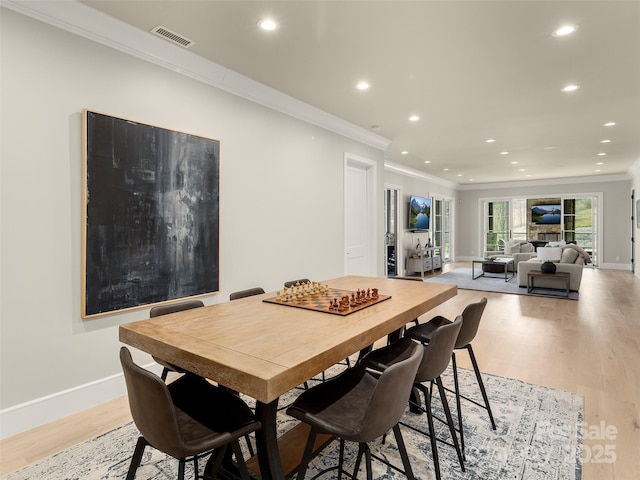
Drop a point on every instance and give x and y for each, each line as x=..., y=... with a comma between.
x=579, y=223
x=442, y=228
x=497, y=225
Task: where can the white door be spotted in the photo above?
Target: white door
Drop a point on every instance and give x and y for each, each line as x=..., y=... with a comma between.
x=359, y=216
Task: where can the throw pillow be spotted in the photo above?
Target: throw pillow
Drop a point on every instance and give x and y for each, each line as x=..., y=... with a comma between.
x=569, y=255
x=511, y=248
x=526, y=248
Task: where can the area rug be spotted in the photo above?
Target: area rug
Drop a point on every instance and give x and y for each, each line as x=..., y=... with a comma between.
x=538, y=436
x=494, y=283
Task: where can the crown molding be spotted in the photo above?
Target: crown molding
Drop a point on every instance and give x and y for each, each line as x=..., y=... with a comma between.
x=411, y=172
x=551, y=181
x=87, y=22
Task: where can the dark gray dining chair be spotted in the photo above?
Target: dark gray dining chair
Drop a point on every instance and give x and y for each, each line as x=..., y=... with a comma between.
x=437, y=354
x=292, y=283
x=359, y=406
x=186, y=419
x=471, y=316
x=249, y=292
x=166, y=310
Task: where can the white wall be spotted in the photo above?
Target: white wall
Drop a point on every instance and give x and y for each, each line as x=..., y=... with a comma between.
x=281, y=196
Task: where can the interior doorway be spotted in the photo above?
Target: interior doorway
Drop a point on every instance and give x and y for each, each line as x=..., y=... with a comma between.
x=635, y=222
x=391, y=216
x=359, y=216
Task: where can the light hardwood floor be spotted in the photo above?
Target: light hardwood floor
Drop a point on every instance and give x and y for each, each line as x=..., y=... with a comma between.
x=590, y=347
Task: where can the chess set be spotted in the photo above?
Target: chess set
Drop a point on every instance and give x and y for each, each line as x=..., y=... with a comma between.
x=322, y=298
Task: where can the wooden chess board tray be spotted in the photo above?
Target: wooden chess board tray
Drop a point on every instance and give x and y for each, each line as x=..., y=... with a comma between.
x=321, y=302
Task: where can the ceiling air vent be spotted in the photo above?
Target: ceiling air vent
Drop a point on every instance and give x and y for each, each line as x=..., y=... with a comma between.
x=173, y=36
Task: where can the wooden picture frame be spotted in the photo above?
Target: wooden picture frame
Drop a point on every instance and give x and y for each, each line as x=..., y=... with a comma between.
x=150, y=215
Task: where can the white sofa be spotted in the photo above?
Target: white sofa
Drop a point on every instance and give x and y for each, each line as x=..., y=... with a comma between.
x=573, y=261
x=519, y=250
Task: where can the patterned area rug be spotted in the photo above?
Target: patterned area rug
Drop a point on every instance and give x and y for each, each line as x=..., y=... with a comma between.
x=494, y=283
x=538, y=437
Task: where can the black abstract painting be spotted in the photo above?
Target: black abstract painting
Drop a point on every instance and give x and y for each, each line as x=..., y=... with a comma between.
x=151, y=208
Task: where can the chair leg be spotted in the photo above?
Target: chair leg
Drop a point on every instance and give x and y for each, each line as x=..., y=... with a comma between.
x=247, y=439
x=358, y=460
x=432, y=433
x=242, y=466
x=165, y=372
x=137, y=457
x=306, y=456
x=341, y=459
x=215, y=462
x=408, y=471
x=367, y=456
x=481, y=384
x=447, y=412
x=456, y=388
x=195, y=467
x=181, y=463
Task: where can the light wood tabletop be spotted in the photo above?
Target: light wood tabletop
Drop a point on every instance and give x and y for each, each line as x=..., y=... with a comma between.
x=264, y=350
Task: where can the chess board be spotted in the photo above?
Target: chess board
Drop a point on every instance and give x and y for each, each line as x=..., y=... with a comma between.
x=322, y=302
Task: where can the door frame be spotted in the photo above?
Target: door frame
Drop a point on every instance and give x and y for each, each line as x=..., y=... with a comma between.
x=369, y=167
x=400, y=228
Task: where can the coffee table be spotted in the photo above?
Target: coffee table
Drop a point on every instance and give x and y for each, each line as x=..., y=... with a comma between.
x=498, y=262
x=561, y=276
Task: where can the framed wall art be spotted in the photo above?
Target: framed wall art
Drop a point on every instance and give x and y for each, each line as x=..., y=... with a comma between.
x=150, y=215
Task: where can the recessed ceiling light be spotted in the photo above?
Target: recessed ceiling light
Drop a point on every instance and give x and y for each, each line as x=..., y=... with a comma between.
x=564, y=30
x=609, y=124
x=571, y=88
x=404, y=152
x=522, y=170
x=598, y=170
x=491, y=140
x=504, y=153
x=600, y=163
x=606, y=140
x=414, y=118
x=445, y=169
x=459, y=175
x=601, y=154
x=268, y=25
x=471, y=179
x=427, y=161
x=514, y=163
x=363, y=85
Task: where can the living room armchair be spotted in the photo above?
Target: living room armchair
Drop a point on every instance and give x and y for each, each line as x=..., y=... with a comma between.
x=519, y=250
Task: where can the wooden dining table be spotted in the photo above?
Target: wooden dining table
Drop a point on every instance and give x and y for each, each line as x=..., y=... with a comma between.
x=264, y=350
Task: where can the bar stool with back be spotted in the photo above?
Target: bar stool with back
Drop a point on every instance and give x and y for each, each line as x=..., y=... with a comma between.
x=434, y=362
x=471, y=316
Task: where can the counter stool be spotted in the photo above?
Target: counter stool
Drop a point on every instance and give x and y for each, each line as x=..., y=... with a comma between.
x=471, y=316
x=434, y=362
x=359, y=406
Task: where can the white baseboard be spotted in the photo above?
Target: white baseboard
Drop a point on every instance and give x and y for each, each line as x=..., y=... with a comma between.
x=616, y=266
x=32, y=414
